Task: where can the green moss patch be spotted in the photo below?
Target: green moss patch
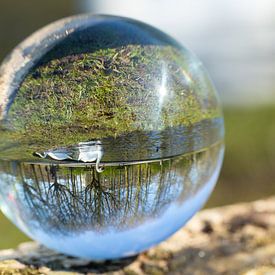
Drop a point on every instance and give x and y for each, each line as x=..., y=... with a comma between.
x=108, y=92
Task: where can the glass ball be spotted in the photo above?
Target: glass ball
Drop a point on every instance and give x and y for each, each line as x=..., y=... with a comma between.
x=111, y=136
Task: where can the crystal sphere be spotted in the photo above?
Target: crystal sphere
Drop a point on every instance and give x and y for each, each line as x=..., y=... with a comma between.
x=111, y=136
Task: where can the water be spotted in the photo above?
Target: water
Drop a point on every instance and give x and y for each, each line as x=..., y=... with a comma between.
x=117, y=213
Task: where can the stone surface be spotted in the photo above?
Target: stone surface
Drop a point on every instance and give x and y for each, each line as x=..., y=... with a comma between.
x=237, y=239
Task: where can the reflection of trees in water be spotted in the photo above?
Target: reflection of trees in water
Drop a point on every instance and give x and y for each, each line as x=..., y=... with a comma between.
x=69, y=199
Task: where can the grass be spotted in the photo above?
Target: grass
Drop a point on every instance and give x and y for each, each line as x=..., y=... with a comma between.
x=248, y=172
x=105, y=93
x=12, y=235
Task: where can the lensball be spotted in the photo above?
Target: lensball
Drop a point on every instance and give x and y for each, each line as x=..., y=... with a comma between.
x=111, y=136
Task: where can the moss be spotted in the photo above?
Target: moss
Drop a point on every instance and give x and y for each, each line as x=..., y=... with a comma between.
x=108, y=92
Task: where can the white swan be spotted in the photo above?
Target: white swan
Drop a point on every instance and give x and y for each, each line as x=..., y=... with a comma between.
x=84, y=151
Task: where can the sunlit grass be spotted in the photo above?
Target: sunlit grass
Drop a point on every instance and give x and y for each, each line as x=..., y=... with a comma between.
x=10, y=235
x=249, y=166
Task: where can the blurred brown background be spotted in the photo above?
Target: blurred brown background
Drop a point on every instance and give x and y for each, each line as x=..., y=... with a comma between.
x=235, y=40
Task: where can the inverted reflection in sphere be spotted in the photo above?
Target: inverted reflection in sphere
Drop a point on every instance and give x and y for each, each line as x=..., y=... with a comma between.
x=111, y=136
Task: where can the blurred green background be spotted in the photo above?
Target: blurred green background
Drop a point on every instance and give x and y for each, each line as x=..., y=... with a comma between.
x=249, y=166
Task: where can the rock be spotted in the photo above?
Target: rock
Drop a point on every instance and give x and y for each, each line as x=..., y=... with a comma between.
x=236, y=239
